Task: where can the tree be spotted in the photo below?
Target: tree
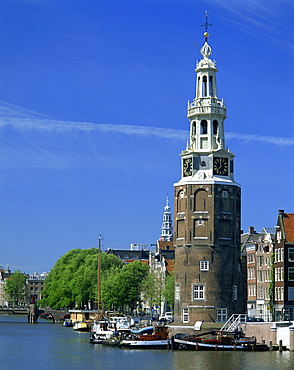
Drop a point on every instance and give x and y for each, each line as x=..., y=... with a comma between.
x=73, y=280
x=169, y=290
x=16, y=288
x=153, y=288
x=121, y=288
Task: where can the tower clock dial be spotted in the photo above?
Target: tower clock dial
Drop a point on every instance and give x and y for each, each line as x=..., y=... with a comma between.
x=220, y=166
x=187, y=167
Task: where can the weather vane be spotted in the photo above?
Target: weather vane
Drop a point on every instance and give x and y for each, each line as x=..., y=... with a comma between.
x=206, y=25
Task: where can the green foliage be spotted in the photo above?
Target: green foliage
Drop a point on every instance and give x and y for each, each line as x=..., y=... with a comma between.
x=169, y=289
x=153, y=289
x=121, y=288
x=16, y=288
x=73, y=280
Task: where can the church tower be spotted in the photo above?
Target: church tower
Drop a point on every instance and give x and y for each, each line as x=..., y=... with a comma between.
x=207, y=207
x=166, y=226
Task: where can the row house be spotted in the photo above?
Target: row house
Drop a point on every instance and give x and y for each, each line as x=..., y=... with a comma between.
x=4, y=274
x=270, y=270
x=284, y=267
x=259, y=275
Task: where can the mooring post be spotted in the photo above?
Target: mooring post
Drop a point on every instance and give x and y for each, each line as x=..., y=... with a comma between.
x=33, y=314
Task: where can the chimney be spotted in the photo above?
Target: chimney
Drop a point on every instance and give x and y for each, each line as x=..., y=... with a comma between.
x=251, y=230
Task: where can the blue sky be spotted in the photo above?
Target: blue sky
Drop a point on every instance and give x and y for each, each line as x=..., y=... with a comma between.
x=93, y=98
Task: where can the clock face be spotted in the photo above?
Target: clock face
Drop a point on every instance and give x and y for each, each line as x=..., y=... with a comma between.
x=187, y=166
x=220, y=166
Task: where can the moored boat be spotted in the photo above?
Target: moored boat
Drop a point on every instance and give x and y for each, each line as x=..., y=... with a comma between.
x=149, y=337
x=218, y=340
x=100, y=331
x=67, y=323
x=81, y=326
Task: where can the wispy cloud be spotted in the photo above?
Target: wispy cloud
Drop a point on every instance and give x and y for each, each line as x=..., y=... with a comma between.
x=281, y=141
x=261, y=19
x=43, y=125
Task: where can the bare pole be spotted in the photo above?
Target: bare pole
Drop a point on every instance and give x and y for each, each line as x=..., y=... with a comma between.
x=99, y=274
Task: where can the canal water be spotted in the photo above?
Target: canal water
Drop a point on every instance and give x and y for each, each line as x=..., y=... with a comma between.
x=50, y=346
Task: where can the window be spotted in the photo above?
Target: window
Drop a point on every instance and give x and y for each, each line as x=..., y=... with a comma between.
x=222, y=315
x=291, y=254
x=204, y=265
x=211, y=86
x=224, y=193
x=214, y=127
x=203, y=143
x=203, y=130
x=185, y=314
x=198, y=292
x=291, y=293
x=177, y=292
x=291, y=273
x=204, y=86
x=235, y=292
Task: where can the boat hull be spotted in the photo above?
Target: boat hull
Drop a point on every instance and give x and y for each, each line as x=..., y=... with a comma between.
x=145, y=344
x=198, y=346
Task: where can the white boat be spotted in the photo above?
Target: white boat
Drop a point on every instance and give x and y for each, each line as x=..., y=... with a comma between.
x=100, y=331
x=81, y=326
x=119, y=322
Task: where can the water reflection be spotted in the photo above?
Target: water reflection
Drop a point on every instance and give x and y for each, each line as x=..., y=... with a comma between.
x=51, y=346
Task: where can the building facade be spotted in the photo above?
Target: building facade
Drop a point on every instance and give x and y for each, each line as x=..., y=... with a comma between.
x=284, y=267
x=260, y=277
x=35, y=284
x=207, y=207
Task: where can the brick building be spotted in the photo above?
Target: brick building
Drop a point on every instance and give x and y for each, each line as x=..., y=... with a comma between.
x=207, y=208
x=284, y=267
x=260, y=250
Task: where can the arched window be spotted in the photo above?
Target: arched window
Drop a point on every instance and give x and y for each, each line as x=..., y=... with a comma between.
x=198, y=87
x=200, y=200
x=193, y=128
x=215, y=126
x=181, y=201
x=204, y=90
x=211, y=86
x=203, y=127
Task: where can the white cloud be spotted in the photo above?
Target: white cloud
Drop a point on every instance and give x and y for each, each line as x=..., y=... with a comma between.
x=281, y=141
x=39, y=124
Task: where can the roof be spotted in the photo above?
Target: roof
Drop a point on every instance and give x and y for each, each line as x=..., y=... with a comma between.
x=289, y=227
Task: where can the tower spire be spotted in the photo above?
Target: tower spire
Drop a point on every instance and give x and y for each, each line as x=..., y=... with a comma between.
x=206, y=25
x=166, y=226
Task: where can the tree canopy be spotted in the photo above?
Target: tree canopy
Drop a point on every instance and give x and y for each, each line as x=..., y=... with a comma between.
x=121, y=288
x=73, y=280
x=16, y=288
x=72, y=283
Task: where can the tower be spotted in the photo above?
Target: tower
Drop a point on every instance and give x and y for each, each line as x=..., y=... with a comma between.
x=166, y=226
x=207, y=205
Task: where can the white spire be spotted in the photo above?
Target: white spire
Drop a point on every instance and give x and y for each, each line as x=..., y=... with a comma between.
x=166, y=226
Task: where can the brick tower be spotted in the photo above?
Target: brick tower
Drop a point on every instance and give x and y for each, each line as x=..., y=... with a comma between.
x=207, y=207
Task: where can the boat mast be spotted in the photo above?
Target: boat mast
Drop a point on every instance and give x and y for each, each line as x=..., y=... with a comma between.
x=99, y=275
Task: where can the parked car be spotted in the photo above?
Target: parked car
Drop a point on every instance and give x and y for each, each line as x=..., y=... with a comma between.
x=168, y=316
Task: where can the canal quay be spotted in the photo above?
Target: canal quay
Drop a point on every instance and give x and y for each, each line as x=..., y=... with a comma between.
x=51, y=346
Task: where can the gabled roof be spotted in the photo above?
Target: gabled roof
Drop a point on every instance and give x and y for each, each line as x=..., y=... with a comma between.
x=289, y=227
